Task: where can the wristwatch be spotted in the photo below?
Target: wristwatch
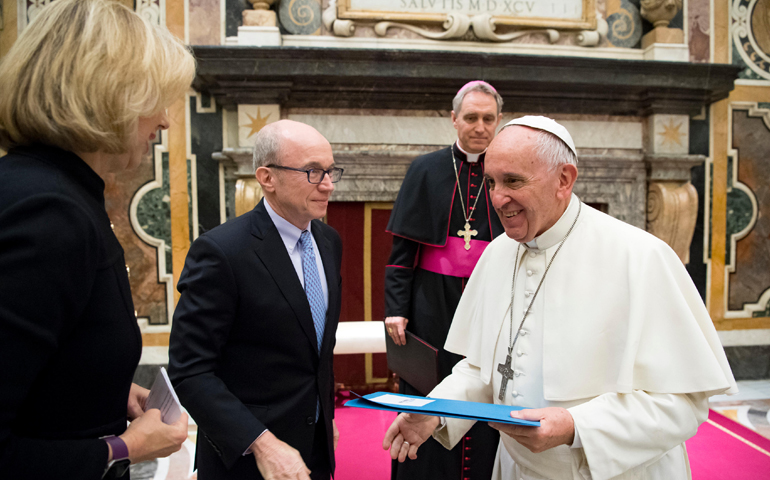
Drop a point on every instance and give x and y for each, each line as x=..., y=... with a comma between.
x=118, y=466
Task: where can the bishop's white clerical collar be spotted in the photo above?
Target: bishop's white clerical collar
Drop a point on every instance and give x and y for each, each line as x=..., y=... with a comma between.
x=553, y=235
x=470, y=157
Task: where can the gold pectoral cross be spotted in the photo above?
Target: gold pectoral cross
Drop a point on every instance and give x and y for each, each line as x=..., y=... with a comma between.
x=467, y=233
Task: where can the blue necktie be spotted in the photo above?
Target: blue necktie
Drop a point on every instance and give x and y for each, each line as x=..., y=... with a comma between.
x=313, y=290
x=315, y=294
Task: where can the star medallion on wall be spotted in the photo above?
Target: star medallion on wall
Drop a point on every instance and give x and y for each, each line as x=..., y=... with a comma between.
x=671, y=133
x=256, y=123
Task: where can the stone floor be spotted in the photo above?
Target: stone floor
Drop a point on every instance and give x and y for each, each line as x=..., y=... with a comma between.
x=750, y=407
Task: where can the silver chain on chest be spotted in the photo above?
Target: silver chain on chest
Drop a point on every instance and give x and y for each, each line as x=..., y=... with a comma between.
x=505, y=369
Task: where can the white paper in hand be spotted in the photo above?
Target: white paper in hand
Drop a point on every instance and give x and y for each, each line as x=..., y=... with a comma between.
x=163, y=397
x=402, y=401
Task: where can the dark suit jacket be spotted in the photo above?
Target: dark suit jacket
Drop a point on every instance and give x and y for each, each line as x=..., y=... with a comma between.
x=243, y=349
x=69, y=341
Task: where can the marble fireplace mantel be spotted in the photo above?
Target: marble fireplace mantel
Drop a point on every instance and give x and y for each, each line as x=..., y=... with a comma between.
x=306, y=77
x=619, y=181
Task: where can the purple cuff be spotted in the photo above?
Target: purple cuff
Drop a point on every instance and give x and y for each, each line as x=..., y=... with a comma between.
x=119, y=448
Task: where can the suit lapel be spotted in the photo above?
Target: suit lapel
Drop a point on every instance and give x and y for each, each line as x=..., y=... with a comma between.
x=332, y=282
x=272, y=252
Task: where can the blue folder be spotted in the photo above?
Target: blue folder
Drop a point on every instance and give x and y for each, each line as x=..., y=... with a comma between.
x=440, y=407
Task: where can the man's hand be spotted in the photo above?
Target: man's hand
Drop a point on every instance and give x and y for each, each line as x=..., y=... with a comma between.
x=277, y=460
x=137, y=399
x=407, y=432
x=556, y=428
x=148, y=437
x=336, y=434
x=396, y=326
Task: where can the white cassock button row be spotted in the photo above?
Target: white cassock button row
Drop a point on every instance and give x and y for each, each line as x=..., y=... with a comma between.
x=532, y=254
x=514, y=393
x=519, y=353
x=529, y=273
x=523, y=332
x=527, y=294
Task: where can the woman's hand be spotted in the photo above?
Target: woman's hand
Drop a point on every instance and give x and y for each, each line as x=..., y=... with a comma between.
x=147, y=437
x=137, y=399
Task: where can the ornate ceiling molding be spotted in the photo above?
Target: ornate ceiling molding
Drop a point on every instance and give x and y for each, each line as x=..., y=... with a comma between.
x=407, y=79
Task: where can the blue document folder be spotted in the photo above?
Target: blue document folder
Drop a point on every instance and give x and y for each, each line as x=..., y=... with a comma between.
x=440, y=407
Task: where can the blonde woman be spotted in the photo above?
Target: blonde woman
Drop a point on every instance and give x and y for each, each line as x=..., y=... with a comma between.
x=84, y=92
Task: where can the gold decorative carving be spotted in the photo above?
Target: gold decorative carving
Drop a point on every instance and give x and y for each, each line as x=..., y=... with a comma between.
x=248, y=193
x=672, y=209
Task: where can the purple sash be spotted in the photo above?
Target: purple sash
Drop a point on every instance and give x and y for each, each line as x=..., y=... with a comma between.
x=452, y=259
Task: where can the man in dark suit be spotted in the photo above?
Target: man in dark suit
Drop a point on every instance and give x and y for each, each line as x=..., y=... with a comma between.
x=254, y=331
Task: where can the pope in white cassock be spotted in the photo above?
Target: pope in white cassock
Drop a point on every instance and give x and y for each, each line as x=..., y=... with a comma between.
x=592, y=323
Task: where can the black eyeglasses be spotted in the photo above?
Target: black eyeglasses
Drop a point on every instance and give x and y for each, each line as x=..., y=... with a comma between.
x=315, y=175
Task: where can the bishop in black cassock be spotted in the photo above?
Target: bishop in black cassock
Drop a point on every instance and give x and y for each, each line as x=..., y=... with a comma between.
x=427, y=271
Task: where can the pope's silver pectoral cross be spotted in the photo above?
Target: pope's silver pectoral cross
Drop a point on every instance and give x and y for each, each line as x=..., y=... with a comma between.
x=507, y=372
x=467, y=233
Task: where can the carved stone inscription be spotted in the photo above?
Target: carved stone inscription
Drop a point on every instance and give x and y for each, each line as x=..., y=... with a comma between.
x=507, y=12
x=518, y=8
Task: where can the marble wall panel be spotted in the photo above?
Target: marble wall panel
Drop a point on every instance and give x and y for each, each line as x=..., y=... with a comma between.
x=371, y=112
x=751, y=278
x=9, y=26
x=234, y=15
x=617, y=180
x=153, y=212
x=381, y=129
x=148, y=294
x=668, y=134
x=749, y=362
x=742, y=338
x=205, y=139
x=750, y=37
x=204, y=20
x=251, y=119
x=411, y=130
x=699, y=145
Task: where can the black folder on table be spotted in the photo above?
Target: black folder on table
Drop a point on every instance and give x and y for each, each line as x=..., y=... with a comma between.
x=416, y=362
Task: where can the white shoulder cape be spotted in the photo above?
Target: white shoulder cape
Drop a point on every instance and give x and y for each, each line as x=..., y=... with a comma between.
x=621, y=314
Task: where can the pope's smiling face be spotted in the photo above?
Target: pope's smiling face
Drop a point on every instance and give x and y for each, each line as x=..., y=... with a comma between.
x=528, y=194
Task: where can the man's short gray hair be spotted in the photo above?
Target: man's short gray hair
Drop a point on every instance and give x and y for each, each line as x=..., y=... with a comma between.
x=553, y=151
x=476, y=86
x=267, y=146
